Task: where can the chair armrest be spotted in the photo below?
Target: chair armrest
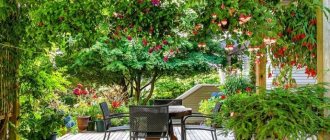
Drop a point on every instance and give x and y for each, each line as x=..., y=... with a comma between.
x=119, y=115
x=196, y=116
x=196, y=113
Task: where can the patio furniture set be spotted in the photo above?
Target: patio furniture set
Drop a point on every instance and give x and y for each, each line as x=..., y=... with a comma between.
x=156, y=121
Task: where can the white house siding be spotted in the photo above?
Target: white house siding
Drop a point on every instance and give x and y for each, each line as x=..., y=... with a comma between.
x=298, y=74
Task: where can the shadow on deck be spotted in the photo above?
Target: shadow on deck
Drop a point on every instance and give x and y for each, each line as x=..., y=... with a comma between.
x=191, y=135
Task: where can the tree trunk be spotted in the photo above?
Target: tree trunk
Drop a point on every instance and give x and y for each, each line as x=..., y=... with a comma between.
x=152, y=83
x=138, y=88
x=150, y=92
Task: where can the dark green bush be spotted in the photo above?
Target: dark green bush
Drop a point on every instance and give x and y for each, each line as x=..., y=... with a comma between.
x=279, y=113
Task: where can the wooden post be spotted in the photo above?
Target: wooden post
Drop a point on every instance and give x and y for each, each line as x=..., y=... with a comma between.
x=261, y=74
x=319, y=38
x=322, y=56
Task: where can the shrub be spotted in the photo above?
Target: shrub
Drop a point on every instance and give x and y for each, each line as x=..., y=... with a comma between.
x=283, y=114
x=172, y=87
x=236, y=84
x=207, y=106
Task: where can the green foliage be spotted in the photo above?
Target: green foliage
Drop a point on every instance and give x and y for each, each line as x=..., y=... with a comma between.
x=252, y=69
x=171, y=87
x=69, y=99
x=236, y=84
x=279, y=114
x=120, y=121
x=41, y=124
x=207, y=106
x=41, y=111
x=94, y=111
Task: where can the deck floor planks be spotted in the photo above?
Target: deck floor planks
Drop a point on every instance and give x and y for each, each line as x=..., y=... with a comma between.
x=124, y=135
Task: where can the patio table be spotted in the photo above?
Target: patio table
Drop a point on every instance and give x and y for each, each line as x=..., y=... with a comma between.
x=178, y=112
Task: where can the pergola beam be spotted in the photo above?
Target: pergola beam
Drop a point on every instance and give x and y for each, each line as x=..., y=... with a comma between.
x=261, y=73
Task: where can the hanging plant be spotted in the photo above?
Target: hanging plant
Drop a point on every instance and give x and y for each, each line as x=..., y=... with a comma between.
x=296, y=46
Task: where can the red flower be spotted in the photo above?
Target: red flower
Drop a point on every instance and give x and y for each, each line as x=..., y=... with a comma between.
x=289, y=30
x=151, y=50
x=270, y=75
x=165, y=59
x=195, y=32
x=302, y=36
x=310, y=72
x=77, y=91
x=84, y=92
x=165, y=42
x=224, y=22
x=95, y=96
x=313, y=22
x=115, y=104
x=293, y=63
x=223, y=97
x=151, y=30
x=158, y=47
x=79, y=86
x=299, y=66
x=155, y=2
x=313, y=55
x=129, y=38
x=144, y=42
x=223, y=6
x=248, y=89
x=249, y=33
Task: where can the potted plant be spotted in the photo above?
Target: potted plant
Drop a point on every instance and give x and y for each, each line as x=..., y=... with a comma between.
x=99, y=124
x=82, y=115
x=94, y=111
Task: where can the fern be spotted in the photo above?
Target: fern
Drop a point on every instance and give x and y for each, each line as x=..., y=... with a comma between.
x=277, y=114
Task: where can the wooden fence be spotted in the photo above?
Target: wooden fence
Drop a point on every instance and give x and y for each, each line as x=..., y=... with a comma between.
x=8, y=90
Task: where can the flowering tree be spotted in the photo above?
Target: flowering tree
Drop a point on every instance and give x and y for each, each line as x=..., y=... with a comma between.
x=130, y=43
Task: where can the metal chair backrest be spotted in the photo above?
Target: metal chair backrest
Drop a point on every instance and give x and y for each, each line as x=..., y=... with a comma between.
x=105, y=110
x=217, y=107
x=168, y=102
x=145, y=119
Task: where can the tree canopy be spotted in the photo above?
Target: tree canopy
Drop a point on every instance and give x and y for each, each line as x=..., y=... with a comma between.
x=130, y=43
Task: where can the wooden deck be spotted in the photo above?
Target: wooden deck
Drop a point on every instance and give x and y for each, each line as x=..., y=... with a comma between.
x=191, y=135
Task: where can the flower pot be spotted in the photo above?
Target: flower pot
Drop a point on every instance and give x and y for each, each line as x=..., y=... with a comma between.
x=91, y=126
x=52, y=137
x=82, y=122
x=100, y=126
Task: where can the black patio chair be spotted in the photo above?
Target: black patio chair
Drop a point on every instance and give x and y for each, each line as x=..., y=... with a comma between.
x=149, y=122
x=107, y=120
x=168, y=102
x=202, y=126
x=177, y=121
